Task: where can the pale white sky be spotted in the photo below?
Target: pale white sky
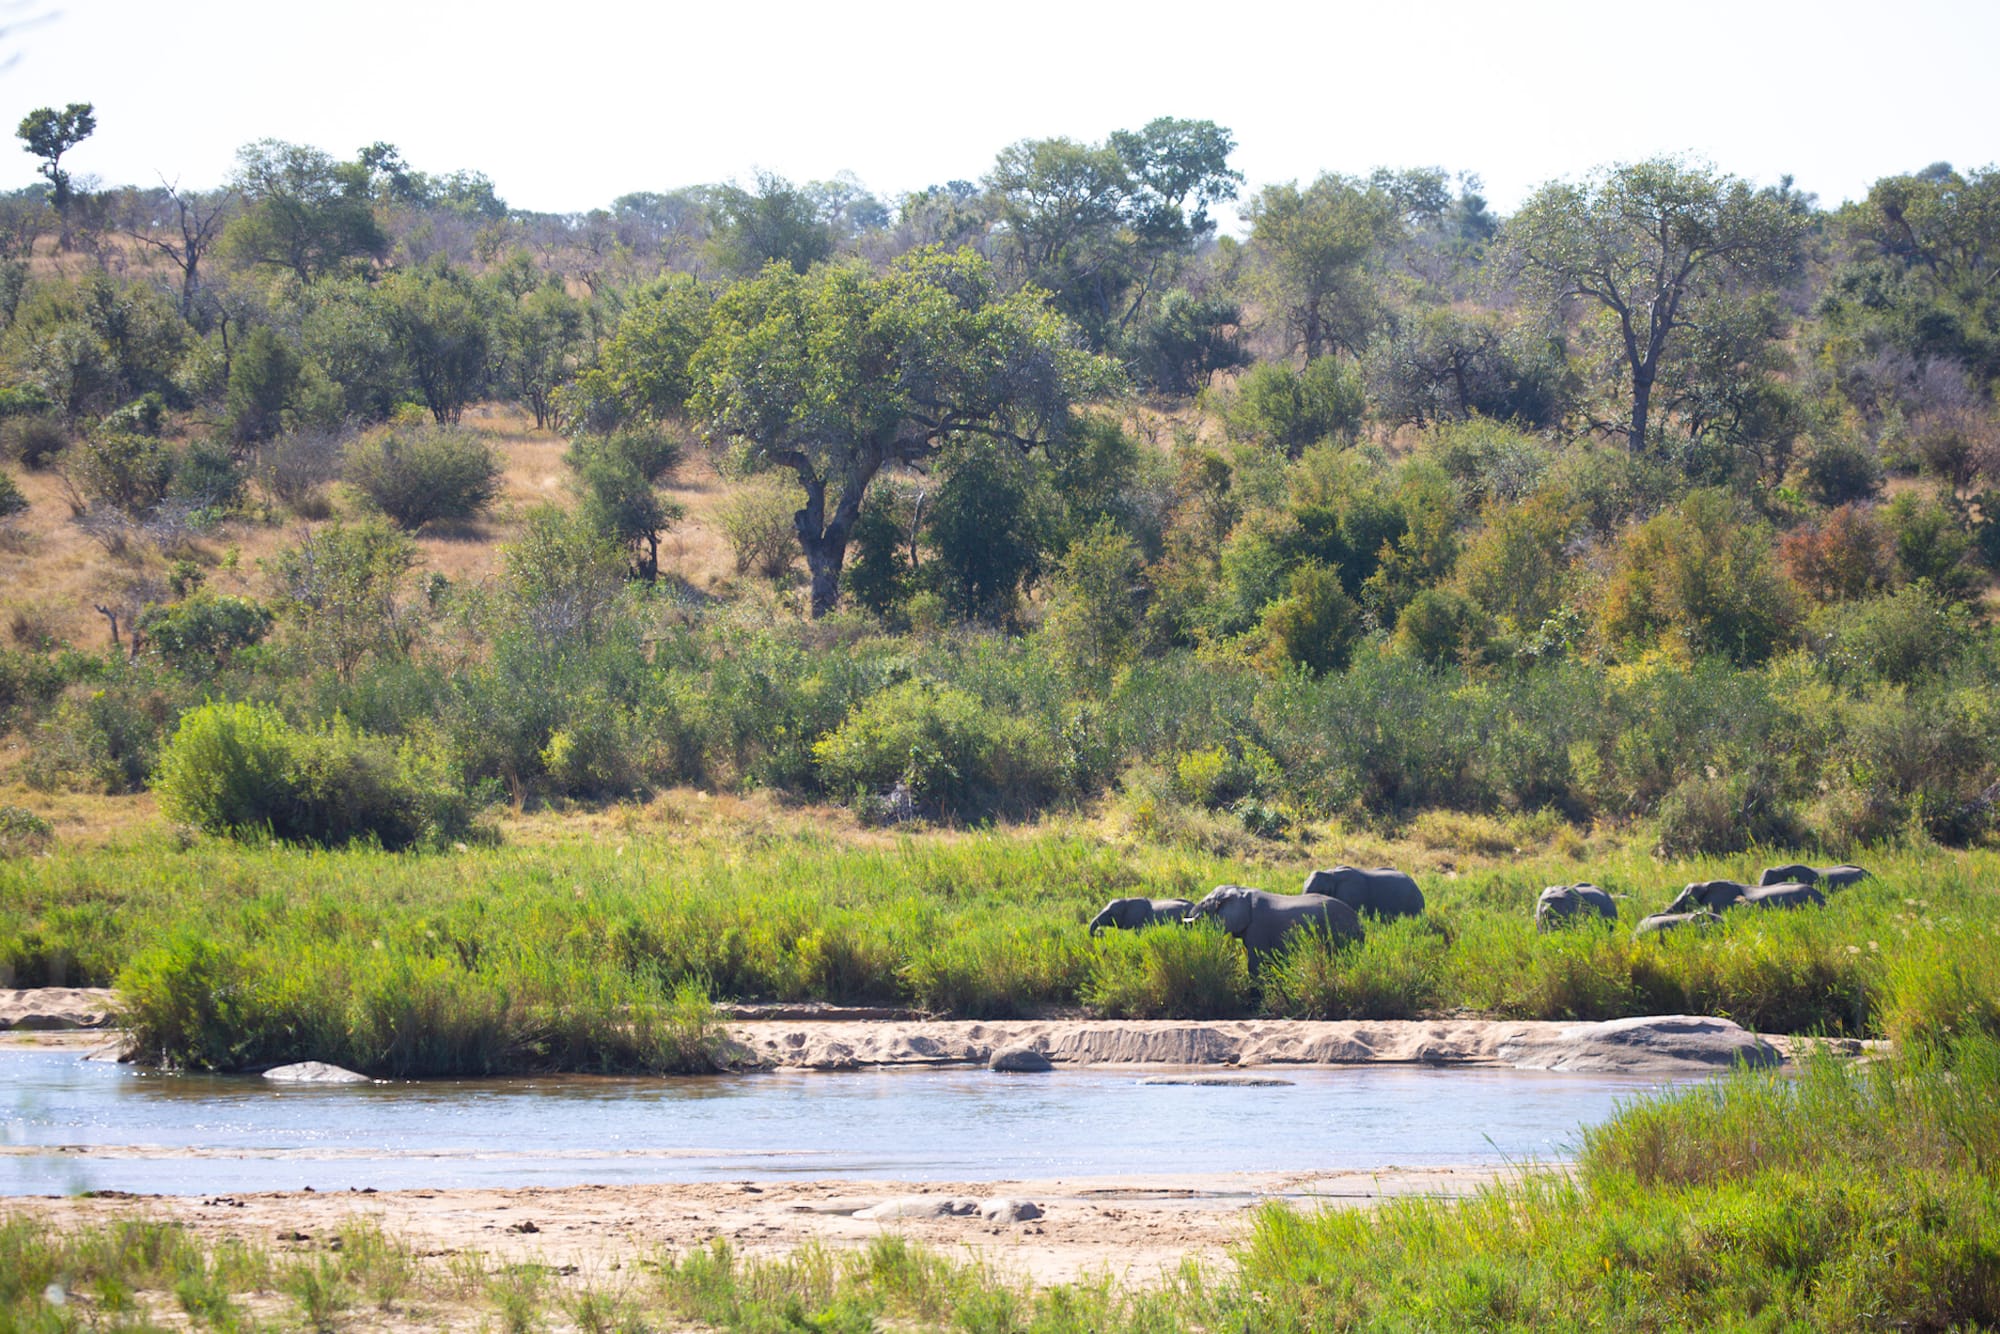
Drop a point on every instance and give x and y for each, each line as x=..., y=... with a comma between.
x=567, y=105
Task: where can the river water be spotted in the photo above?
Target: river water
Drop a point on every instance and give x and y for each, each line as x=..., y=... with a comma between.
x=67, y=1124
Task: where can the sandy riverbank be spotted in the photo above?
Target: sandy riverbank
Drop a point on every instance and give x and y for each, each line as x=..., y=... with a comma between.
x=1134, y=1228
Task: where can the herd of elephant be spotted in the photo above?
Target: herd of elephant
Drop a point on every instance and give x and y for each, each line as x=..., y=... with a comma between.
x=1335, y=900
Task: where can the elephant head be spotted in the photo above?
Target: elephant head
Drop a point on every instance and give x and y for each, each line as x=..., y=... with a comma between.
x=1122, y=914
x=1714, y=895
x=1228, y=904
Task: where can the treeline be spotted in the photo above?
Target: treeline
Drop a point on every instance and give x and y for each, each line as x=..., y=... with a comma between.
x=1667, y=496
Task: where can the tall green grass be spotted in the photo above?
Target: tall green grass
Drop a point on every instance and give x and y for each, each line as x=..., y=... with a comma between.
x=593, y=956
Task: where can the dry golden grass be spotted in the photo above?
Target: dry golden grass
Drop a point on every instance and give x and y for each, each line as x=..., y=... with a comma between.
x=53, y=574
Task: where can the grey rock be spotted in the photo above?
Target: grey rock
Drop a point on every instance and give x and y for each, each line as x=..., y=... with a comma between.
x=314, y=1072
x=1220, y=1081
x=1020, y=1061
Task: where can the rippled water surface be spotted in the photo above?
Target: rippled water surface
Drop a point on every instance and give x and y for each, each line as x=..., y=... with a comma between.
x=69, y=1124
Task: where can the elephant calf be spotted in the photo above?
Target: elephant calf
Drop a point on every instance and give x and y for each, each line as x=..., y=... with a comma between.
x=1262, y=921
x=1131, y=914
x=1662, y=922
x=1382, y=890
x=1561, y=904
x=1825, y=877
x=1714, y=895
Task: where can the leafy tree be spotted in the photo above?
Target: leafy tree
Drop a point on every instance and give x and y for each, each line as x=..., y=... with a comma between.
x=836, y=374
x=1925, y=268
x=1061, y=205
x=342, y=586
x=305, y=212
x=1440, y=364
x=643, y=370
x=125, y=470
x=1315, y=625
x=620, y=474
x=776, y=223
x=200, y=634
x=263, y=382
x=1654, y=246
x=1100, y=225
x=92, y=343
x=1094, y=601
x=1188, y=339
x=48, y=134
x=985, y=532
x=540, y=339
x=1312, y=249
x=439, y=320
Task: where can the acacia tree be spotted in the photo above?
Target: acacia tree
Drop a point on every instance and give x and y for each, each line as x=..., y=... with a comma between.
x=836, y=374
x=1311, y=248
x=1650, y=244
x=48, y=134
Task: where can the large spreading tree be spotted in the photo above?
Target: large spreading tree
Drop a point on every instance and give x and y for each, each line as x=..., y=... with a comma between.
x=836, y=374
x=1660, y=248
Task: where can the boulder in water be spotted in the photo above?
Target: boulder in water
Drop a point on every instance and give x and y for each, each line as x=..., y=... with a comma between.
x=1020, y=1061
x=314, y=1072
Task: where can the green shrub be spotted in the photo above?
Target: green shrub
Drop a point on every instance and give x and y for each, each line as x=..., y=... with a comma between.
x=1167, y=972
x=103, y=738
x=130, y=473
x=240, y=770
x=757, y=522
x=22, y=832
x=12, y=502
x=32, y=440
x=200, y=634
x=422, y=474
x=1289, y=410
x=1396, y=972
x=952, y=752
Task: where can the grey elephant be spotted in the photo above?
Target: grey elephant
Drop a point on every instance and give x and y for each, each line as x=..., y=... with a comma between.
x=1262, y=921
x=1662, y=922
x=1560, y=904
x=1382, y=890
x=1826, y=877
x=1714, y=895
x=1717, y=895
x=1131, y=914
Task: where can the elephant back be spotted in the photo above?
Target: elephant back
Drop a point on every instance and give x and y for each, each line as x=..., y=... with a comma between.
x=1382, y=890
x=1793, y=874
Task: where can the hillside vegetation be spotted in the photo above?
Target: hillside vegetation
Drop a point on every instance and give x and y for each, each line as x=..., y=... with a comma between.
x=351, y=503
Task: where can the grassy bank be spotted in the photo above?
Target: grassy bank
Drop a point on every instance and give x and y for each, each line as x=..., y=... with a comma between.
x=590, y=955
x=1844, y=1199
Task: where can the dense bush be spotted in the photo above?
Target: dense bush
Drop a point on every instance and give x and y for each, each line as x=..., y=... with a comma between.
x=420, y=475
x=953, y=753
x=240, y=770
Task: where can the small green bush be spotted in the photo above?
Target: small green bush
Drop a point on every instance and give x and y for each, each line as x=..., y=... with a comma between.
x=419, y=475
x=952, y=751
x=240, y=770
x=201, y=633
x=757, y=522
x=32, y=440
x=129, y=472
x=12, y=502
x=1167, y=972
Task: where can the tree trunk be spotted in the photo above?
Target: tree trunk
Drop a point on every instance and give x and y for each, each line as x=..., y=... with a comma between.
x=825, y=555
x=1642, y=397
